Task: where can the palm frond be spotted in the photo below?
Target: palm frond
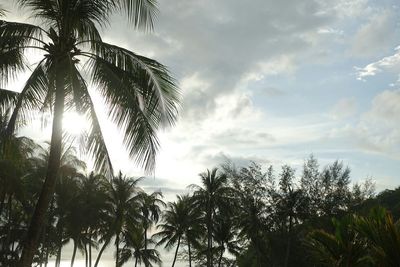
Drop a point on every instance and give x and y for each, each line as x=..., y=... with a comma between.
x=141, y=96
x=31, y=97
x=95, y=144
x=141, y=13
x=8, y=100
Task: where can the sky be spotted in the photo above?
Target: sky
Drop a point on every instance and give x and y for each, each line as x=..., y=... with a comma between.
x=272, y=82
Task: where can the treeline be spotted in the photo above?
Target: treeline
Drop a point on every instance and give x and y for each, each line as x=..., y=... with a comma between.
x=248, y=216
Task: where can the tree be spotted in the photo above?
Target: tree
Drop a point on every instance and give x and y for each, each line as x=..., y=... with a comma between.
x=344, y=248
x=310, y=184
x=212, y=195
x=225, y=235
x=176, y=222
x=150, y=209
x=139, y=92
x=136, y=247
x=122, y=200
x=383, y=235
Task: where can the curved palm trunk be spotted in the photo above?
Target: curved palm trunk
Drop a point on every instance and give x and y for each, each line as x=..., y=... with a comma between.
x=136, y=262
x=101, y=252
x=73, y=254
x=37, y=221
x=176, y=251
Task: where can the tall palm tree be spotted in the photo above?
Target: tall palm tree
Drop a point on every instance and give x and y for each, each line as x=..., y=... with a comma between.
x=93, y=198
x=150, y=208
x=139, y=92
x=212, y=195
x=176, y=221
x=123, y=198
x=136, y=247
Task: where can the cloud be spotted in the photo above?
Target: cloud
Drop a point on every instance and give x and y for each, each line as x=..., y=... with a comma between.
x=389, y=63
x=219, y=43
x=344, y=108
x=377, y=130
x=376, y=36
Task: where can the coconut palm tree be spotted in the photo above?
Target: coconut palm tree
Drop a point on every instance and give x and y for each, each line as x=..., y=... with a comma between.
x=175, y=223
x=123, y=202
x=383, y=235
x=344, y=248
x=214, y=194
x=140, y=94
x=93, y=199
x=136, y=247
x=150, y=208
x=225, y=236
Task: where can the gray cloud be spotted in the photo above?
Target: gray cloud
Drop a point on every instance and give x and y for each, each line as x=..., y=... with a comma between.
x=377, y=35
x=220, y=41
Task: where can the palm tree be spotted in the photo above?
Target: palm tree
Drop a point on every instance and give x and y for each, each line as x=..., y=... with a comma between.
x=225, y=235
x=139, y=92
x=123, y=198
x=150, y=209
x=344, y=248
x=175, y=224
x=383, y=235
x=212, y=195
x=136, y=247
x=93, y=198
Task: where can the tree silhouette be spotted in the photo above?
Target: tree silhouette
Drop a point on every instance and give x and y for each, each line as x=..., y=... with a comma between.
x=140, y=94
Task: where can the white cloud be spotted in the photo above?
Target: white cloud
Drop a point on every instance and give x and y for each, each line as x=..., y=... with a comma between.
x=389, y=63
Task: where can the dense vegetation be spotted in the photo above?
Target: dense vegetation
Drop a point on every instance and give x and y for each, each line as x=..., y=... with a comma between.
x=234, y=217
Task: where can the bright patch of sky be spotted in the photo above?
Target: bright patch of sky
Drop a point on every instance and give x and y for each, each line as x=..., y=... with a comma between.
x=272, y=81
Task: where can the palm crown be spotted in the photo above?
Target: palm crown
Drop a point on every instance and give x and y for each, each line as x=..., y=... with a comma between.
x=139, y=93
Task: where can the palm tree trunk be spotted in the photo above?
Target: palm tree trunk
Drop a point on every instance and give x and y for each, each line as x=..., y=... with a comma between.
x=117, y=255
x=209, y=239
x=190, y=255
x=101, y=252
x=90, y=250
x=86, y=256
x=135, y=261
x=2, y=199
x=73, y=254
x=176, y=251
x=220, y=257
x=33, y=235
x=145, y=244
x=59, y=242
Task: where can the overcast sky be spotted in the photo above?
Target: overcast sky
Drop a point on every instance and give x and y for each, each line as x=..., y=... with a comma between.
x=273, y=81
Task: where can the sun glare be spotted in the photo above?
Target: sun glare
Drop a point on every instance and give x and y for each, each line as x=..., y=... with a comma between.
x=74, y=124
